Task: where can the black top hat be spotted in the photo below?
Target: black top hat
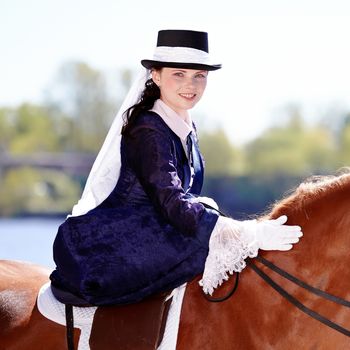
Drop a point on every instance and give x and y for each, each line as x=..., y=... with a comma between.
x=181, y=49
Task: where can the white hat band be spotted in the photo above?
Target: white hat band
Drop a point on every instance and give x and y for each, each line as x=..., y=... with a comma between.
x=180, y=55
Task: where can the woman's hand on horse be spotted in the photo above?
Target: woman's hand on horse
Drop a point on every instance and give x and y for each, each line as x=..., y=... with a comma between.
x=272, y=234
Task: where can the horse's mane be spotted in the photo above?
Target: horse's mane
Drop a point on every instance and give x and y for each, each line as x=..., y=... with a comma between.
x=311, y=190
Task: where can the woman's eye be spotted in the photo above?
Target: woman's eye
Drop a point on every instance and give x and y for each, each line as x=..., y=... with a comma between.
x=178, y=74
x=201, y=76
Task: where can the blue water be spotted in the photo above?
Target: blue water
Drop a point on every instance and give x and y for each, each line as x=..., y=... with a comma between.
x=28, y=239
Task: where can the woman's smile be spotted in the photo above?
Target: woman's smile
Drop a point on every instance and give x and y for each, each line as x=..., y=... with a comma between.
x=188, y=96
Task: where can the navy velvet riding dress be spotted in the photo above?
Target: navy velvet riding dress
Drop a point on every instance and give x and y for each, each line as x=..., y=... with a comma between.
x=149, y=235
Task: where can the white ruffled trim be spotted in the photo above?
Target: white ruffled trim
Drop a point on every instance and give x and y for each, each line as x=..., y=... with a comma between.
x=229, y=245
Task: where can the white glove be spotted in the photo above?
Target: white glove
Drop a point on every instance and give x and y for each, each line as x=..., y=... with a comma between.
x=209, y=201
x=271, y=234
x=232, y=241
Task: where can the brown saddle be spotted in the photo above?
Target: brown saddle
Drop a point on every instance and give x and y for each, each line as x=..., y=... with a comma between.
x=137, y=326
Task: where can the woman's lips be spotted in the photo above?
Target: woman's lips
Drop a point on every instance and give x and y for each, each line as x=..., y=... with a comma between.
x=188, y=96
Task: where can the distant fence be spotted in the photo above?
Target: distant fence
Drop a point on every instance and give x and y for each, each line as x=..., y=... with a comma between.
x=74, y=164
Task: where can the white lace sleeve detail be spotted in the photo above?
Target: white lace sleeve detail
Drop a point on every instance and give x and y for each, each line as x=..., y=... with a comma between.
x=207, y=200
x=229, y=245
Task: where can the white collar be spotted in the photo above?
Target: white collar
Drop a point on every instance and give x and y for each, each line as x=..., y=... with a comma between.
x=177, y=124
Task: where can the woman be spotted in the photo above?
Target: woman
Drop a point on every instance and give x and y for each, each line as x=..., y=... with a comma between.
x=140, y=227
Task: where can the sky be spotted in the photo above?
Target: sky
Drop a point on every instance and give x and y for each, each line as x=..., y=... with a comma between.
x=275, y=53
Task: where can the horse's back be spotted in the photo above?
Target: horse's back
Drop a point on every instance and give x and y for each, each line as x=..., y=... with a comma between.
x=13, y=270
x=21, y=324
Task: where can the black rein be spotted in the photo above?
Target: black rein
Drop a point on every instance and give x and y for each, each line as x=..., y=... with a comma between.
x=304, y=285
x=225, y=297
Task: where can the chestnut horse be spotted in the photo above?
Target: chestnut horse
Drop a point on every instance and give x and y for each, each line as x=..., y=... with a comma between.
x=256, y=316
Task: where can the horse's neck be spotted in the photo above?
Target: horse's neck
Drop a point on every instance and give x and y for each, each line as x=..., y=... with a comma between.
x=321, y=256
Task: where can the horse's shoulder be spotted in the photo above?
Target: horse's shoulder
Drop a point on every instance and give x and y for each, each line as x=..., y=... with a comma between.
x=19, y=285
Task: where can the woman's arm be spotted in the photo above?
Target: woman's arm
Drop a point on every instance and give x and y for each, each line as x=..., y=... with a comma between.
x=153, y=158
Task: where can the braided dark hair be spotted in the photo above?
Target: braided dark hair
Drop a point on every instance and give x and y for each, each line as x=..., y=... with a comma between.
x=150, y=94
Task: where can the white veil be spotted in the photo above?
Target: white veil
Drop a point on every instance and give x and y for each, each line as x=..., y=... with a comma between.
x=105, y=171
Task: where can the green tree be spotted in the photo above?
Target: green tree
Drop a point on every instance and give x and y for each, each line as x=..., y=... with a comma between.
x=34, y=130
x=28, y=190
x=344, y=143
x=293, y=149
x=221, y=157
x=81, y=92
x=7, y=130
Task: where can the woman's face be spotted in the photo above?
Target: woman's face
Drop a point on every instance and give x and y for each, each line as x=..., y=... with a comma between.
x=180, y=88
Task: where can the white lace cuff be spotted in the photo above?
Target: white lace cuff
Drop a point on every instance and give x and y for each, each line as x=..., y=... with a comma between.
x=229, y=245
x=208, y=201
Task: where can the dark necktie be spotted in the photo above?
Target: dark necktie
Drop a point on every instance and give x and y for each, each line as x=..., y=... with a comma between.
x=195, y=162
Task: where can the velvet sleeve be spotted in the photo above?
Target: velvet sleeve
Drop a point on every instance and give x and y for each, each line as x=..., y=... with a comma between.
x=153, y=158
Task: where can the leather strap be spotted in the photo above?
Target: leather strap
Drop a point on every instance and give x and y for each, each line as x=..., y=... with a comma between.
x=297, y=303
x=69, y=326
x=302, y=284
x=225, y=297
